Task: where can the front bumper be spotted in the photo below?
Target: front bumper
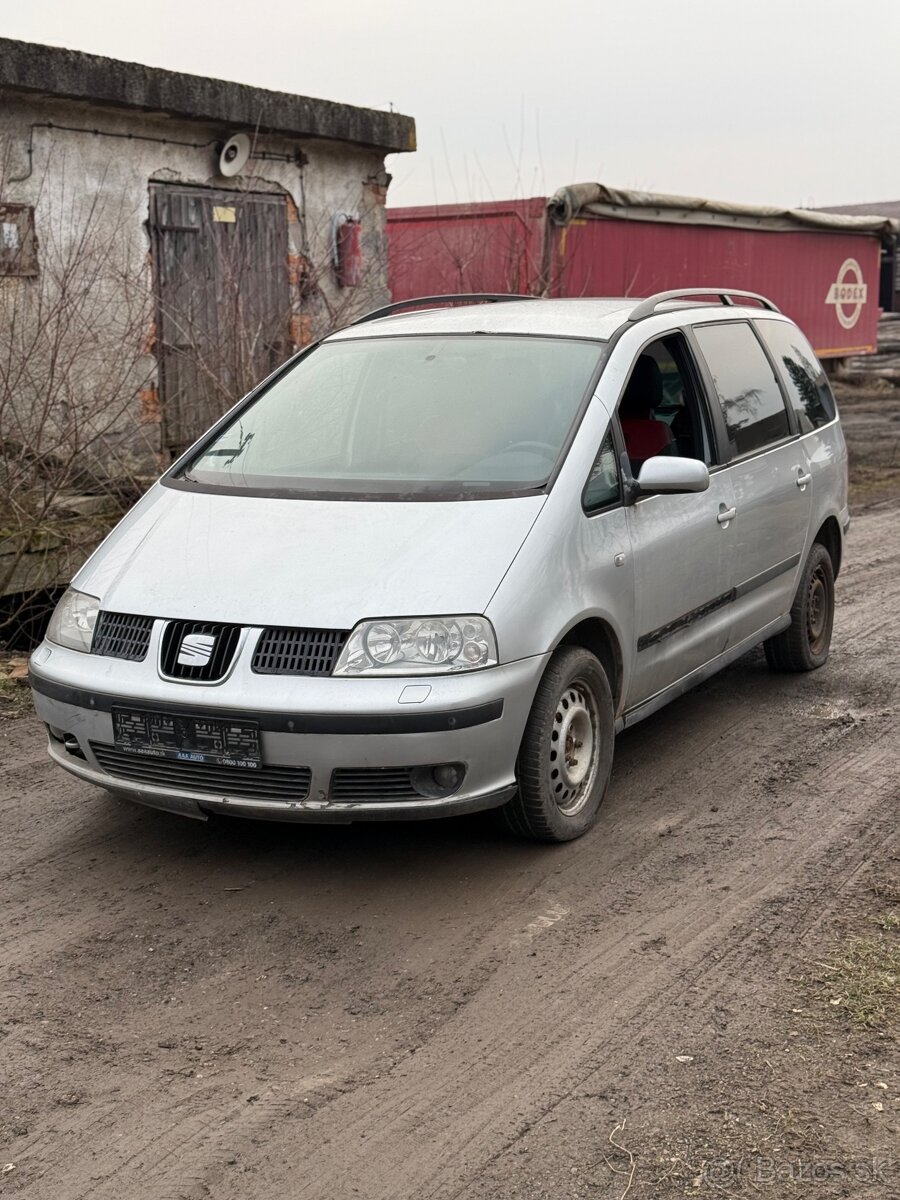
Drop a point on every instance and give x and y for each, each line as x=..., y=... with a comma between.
x=323, y=725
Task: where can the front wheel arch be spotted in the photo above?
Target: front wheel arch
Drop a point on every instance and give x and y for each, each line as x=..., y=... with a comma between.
x=599, y=637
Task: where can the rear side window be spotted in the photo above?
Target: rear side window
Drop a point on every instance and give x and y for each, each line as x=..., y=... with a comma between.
x=748, y=392
x=801, y=372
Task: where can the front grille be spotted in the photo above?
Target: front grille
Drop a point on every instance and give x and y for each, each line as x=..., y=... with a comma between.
x=298, y=651
x=268, y=783
x=121, y=635
x=373, y=783
x=225, y=640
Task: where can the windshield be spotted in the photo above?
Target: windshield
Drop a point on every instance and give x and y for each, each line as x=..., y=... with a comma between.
x=461, y=416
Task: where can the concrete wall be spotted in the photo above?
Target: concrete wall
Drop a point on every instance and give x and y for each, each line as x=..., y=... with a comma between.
x=90, y=194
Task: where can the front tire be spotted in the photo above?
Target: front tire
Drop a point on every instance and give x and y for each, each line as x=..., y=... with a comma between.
x=566, y=753
x=804, y=645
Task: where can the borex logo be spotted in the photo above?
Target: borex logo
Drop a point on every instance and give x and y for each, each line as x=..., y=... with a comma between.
x=848, y=293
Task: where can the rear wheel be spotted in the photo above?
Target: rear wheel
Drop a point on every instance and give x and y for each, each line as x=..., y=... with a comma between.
x=804, y=645
x=566, y=754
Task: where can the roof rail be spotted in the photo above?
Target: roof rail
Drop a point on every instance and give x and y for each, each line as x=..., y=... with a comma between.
x=726, y=296
x=464, y=297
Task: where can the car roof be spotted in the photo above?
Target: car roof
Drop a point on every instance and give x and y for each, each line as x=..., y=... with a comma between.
x=597, y=319
x=554, y=318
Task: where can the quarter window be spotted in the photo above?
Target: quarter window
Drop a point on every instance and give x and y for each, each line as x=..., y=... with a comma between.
x=748, y=392
x=602, y=488
x=801, y=372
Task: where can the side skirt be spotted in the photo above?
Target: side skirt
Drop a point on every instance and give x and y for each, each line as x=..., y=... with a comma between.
x=680, y=686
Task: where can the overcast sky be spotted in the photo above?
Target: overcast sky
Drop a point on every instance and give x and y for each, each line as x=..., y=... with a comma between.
x=769, y=101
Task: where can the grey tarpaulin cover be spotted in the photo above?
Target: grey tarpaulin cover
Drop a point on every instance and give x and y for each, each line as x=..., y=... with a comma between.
x=599, y=200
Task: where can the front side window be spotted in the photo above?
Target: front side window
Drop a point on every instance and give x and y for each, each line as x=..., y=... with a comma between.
x=399, y=417
x=748, y=392
x=801, y=372
x=659, y=411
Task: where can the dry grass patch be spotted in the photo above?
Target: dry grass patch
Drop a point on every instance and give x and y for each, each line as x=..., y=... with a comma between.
x=862, y=975
x=15, y=696
x=865, y=980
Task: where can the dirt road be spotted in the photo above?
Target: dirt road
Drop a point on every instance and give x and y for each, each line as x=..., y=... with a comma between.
x=239, y=1010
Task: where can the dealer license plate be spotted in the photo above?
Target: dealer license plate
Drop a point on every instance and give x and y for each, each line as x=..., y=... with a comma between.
x=187, y=739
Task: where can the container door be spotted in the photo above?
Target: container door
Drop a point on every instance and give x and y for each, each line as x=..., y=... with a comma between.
x=220, y=264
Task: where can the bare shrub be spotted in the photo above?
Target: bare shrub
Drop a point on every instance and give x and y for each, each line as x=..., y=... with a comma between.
x=72, y=362
x=82, y=432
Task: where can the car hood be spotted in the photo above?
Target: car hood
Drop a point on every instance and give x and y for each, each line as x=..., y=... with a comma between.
x=310, y=563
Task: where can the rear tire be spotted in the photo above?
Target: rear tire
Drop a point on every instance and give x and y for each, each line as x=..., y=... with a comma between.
x=804, y=645
x=566, y=753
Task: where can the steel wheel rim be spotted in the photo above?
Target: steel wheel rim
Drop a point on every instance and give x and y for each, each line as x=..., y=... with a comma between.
x=574, y=742
x=817, y=611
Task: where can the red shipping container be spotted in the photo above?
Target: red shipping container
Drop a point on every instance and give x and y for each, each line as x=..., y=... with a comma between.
x=588, y=240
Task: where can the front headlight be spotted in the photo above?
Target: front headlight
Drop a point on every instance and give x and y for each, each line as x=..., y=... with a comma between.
x=419, y=646
x=73, y=621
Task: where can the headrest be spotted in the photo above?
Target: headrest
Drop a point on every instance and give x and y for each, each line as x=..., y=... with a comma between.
x=644, y=392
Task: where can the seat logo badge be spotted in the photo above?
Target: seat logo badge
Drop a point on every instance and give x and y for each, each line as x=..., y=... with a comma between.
x=848, y=293
x=196, y=649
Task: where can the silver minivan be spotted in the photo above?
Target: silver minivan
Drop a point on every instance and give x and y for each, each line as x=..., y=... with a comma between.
x=438, y=560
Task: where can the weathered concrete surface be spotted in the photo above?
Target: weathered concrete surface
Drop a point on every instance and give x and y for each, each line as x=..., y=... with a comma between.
x=73, y=75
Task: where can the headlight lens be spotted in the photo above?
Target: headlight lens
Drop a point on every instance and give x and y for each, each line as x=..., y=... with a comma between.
x=419, y=646
x=73, y=621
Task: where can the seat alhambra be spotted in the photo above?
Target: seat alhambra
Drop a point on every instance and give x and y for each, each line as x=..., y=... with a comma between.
x=437, y=561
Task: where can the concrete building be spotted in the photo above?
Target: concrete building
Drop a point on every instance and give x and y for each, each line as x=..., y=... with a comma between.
x=147, y=279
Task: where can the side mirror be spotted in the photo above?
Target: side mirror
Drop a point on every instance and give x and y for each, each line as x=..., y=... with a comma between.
x=664, y=474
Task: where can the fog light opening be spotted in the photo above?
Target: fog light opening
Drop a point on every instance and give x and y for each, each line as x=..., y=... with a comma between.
x=438, y=781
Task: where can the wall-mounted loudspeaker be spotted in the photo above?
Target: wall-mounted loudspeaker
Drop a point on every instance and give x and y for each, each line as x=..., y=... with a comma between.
x=234, y=154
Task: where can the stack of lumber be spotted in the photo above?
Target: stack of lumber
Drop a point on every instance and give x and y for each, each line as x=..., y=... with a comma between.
x=885, y=363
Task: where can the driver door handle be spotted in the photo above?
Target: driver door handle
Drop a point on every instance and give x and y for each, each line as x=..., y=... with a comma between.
x=804, y=479
x=726, y=515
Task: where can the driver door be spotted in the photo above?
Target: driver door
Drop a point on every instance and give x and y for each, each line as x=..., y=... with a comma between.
x=681, y=544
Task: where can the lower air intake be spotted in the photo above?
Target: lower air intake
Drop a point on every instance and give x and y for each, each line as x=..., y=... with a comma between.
x=361, y=785
x=268, y=783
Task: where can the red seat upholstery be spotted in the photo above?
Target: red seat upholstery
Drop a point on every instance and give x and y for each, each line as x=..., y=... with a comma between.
x=644, y=435
x=644, y=438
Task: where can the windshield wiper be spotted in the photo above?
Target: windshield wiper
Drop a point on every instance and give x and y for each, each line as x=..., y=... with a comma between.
x=230, y=453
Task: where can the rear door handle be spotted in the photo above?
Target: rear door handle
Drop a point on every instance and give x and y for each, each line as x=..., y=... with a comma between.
x=726, y=515
x=803, y=480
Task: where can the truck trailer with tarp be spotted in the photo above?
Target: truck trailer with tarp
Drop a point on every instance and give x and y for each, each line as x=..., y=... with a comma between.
x=821, y=269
